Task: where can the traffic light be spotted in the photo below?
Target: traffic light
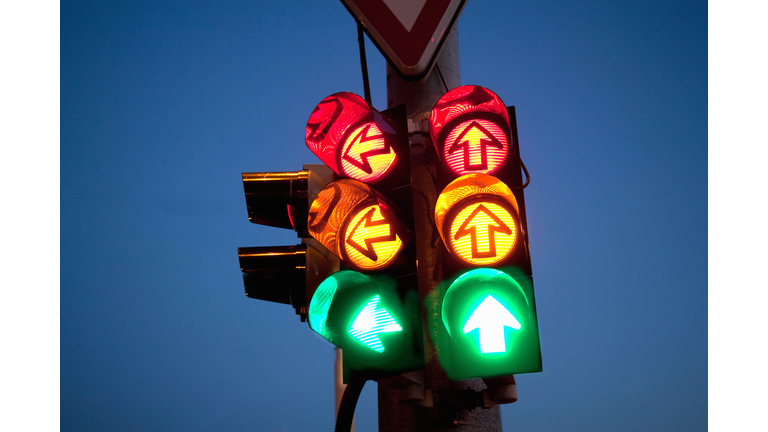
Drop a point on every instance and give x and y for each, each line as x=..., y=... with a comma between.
x=354, y=275
x=477, y=217
x=285, y=274
x=359, y=225
x=370, y=309
x=377, y=326
x=488, y=307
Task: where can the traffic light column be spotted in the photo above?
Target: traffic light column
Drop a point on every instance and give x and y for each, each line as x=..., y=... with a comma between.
x=419, y=98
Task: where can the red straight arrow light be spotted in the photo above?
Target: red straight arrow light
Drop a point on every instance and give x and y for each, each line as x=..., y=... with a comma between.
x=472, y=138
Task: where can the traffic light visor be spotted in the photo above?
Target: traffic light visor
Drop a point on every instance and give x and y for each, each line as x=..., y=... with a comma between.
x=477, y=218
x=469, y=126
x=272, y=197
x=358, y=225
x=362, y=316
x=351, y=137
x=324, y=295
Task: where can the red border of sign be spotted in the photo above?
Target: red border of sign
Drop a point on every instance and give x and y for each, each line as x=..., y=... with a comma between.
x=411, y=54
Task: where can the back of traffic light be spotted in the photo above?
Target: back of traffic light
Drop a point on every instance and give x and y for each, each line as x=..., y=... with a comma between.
x=488, y=306
x=285, y=274
x=371, y=311
x=280, y=274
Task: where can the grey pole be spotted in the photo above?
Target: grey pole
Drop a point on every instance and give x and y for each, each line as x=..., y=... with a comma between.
x=400, y=410
x=339, y=386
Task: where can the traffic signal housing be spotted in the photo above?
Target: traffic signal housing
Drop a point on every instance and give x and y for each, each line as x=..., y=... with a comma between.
x=488, y=302
x=477, y=216
x=285, y=274
x=377, y=326
x=359, y=225
x=370, y=309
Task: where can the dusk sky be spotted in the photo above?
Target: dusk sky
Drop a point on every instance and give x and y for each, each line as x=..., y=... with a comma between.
x=164, y=104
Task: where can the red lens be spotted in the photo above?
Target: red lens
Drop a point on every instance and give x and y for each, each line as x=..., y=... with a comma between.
x=351, y=138
x=469, y=126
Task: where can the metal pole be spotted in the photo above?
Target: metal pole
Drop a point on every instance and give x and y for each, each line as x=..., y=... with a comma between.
x=339, y=386
x=394, y=413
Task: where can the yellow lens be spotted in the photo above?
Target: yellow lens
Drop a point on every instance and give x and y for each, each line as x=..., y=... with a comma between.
x=483, y=233
x=357, y=224
x=481, y=215
x=331, y=208
x=370, y=240
x=366, y=155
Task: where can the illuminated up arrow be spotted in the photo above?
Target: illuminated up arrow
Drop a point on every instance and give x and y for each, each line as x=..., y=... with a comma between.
x=359, y=140
x=471, y=138
x=371, y=322
x=491, y=318
x=469, y=227
x=367, y=223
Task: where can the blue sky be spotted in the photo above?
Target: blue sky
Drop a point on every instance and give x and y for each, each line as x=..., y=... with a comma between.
x=164, y=104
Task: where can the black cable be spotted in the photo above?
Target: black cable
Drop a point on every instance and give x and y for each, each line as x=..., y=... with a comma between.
x=527, y=176
x=430, y=217
x=363, y=63
x=347, y=405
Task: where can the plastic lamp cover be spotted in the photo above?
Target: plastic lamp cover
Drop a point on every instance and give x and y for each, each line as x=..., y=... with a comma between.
x=358, y=225
x=477, y=218
x=351, y=137
x=469, y=127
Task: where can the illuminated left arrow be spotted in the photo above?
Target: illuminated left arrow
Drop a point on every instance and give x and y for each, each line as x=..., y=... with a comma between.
x=365, y=224
x=490, y=318
x=370, y=322
x=375, y=143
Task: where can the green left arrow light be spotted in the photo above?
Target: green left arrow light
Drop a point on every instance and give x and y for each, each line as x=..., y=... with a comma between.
x=378, y=329
x=490, y=318
x=371, y=322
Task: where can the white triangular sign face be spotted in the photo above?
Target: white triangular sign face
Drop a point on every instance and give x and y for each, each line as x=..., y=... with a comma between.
x=406, y=11
x=409, y=33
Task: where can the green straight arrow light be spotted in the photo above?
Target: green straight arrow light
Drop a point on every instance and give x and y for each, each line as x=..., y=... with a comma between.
x=490, y=317
x=370, y=322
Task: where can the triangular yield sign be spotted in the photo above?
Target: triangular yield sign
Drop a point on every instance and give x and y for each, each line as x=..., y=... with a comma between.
x=409, y=33
x=406, y=11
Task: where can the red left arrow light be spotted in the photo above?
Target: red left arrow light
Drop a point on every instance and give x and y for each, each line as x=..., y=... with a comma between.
x=352, y=138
